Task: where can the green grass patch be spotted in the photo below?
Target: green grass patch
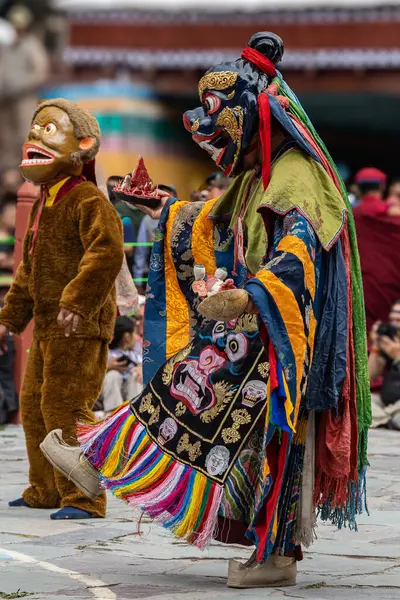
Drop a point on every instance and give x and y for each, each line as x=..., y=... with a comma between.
x=314, y=586
x=17, y=594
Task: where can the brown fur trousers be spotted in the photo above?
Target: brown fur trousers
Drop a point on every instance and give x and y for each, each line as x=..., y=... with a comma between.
x=62, y=382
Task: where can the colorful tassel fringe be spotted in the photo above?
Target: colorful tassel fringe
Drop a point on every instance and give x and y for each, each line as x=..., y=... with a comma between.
x=138, y=471
x=353, y=503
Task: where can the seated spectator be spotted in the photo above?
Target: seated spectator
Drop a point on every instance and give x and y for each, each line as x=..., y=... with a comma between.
x=371, y=184
x=199, y=195
x=127, y=223
x=112, y=182
x=139, y=321
x=384, y=361
x=217, y=183
x=8, y=395
x=11, y=180
x=393, y=198
x=7, y=232
x=145, y=236
x=378, y=236
x=214, y=186
x=125, y=211
x=129, y=237
x=123, y=380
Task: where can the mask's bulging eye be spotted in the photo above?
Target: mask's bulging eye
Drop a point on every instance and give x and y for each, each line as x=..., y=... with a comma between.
x=50, y=129
x=218, y=331
x=212, y=103
x=36, y=127
x=236, y=347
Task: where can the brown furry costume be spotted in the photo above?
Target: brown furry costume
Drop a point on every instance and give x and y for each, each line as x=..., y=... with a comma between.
x=76, y=258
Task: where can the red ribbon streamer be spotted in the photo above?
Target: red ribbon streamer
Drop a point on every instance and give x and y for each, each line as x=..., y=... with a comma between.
x=260, y=61
x=264, y=110
x=264, y=129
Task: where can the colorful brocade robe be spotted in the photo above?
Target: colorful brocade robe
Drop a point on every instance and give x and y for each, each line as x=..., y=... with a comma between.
x=220, y=428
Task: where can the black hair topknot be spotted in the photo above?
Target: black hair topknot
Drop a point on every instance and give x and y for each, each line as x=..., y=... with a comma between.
x=269, y=44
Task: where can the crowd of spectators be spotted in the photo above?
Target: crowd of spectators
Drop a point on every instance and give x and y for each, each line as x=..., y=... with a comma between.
x=376, y=208
x=8, y=202
x=124, y=377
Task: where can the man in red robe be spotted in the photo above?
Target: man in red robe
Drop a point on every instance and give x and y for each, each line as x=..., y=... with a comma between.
x=378, y=235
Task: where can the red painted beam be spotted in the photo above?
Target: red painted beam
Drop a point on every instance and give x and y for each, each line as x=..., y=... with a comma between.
x=300, y=36
x=27, y=195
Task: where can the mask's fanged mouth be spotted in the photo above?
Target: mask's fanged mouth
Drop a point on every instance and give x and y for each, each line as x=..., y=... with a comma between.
x=215, y=145
x=215, y=153
x=35, y=155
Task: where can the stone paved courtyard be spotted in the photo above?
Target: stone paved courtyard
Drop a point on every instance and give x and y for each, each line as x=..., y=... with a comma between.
x=110, y=560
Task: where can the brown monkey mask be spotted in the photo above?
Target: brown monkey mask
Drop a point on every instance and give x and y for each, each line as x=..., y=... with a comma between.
x=53, y=150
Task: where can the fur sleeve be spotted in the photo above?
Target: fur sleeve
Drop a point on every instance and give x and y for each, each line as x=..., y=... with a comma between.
x=18, y=305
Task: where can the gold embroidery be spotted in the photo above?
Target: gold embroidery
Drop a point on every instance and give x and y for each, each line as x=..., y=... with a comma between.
x=155, y=416
x=241, y=416
x=184, y=272
x=231, y=435
x=220, y=246
x=147, y=406
x=180, y=409
x=223, y=395
x=177, y=228
x=203, y=239
x=246, y=322
x=230, y=96
x=227, y=119
x=239, y=110
x=187, y=255
x=169, y=366
x=195, y=125
x=194, y=317
x=145, y=403
x=263, y=369
x=185, y=217
x=217, y=81
x=193, y=450
x=274, y=261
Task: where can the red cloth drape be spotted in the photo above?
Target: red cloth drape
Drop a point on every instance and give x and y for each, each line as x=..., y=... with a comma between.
x=378, y=238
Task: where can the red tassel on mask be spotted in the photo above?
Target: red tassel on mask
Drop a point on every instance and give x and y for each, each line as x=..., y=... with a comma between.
x=264, y=115
x=259, y=60
x=264, y=110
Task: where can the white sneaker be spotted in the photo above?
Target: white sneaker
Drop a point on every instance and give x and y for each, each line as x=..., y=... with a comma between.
x=277, y=571
x=71, y=463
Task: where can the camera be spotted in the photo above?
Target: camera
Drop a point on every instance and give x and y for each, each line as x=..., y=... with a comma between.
x=388, y=330
x=125, y=359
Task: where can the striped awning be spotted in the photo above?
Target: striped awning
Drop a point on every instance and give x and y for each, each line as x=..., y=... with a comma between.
x=221, y=6
x=195, y=59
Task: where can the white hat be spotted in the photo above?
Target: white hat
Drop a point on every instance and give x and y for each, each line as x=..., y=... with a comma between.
x=7, y=33
x=20, y=16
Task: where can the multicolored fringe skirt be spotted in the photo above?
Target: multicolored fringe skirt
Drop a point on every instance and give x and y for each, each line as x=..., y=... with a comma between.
x=200, y=442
